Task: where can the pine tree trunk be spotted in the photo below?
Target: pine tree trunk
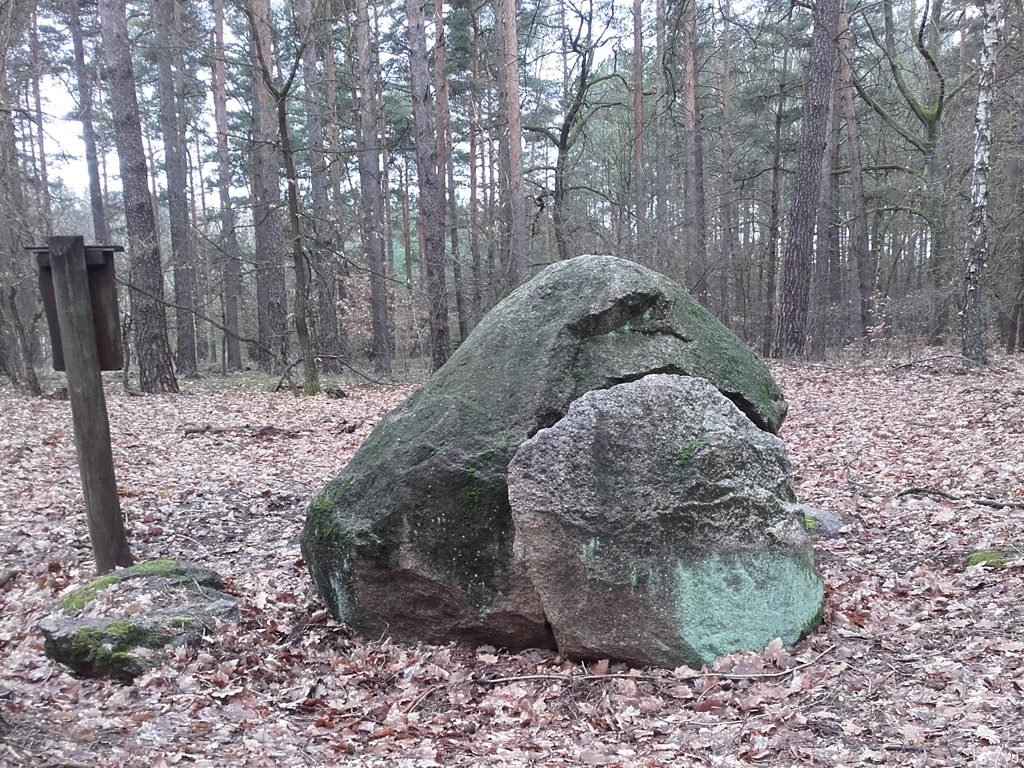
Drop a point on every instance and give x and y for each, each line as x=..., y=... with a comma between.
x=825, y=282
x=861, y=247
x=320, y=223
x=85, y=114
x=730, y=227
x=271, y=309
x=231, y=269
x=792, y=334
x=407, y=249
x=461, y=310
x=639, y=191
x=695, y=216
x=37, y=114
x=370, y=190
x=445, y=165
x=279, y=92
x=16, y=348
x=771, y=265
x=661, y=166
x=508, y=72
x=474, y=161
x=1015, y=327
x=172, y=128
x=491, y=205
x=431, y=203
x=149, y=317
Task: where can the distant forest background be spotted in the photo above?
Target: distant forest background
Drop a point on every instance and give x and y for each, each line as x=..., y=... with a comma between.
x=351, y=184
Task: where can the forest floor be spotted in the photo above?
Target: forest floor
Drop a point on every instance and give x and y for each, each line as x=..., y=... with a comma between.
x=920, y=661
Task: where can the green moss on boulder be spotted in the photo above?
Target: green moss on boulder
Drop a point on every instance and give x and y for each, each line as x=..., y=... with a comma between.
x=174, y=570
x=81, y=597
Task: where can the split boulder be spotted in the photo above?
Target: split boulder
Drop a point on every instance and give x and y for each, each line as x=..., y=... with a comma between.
x=416, y=537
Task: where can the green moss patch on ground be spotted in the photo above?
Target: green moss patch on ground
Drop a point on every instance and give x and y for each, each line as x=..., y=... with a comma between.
x=995, y=558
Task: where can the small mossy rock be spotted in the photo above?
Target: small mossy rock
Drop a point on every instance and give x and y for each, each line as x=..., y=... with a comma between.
x=415, y=536
x=172, y=570
x=659, y=527
x=114, y=648
x=173, y=603
x=995, y=558
x=822, y=523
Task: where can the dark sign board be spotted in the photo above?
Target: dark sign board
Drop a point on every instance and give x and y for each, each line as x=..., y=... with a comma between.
x=99, y=262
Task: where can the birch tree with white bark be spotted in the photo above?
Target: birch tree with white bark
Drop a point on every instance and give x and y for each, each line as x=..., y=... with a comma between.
x=973, y=339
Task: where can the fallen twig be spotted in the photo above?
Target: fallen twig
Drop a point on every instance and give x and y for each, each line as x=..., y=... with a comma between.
x=268, y=430
x=287, y=374
x=648, y=677
x=423, y=696
x=354, y=370
x=980, y=500
x=924, y=360
x=292, y=385
x=921, y=490
x=780, y=673
x=211, y=430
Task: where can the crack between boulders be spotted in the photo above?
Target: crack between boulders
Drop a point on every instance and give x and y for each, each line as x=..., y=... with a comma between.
x=622, y=311
x=747, y=410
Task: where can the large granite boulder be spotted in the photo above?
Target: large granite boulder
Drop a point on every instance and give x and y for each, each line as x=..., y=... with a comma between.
x=658, y=526
x=415, y=536
x=123, y=623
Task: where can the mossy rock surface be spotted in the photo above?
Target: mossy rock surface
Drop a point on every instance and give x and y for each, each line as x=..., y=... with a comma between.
x=415, y=537
x=822, y=523
x=995, y=558
x=116, y=648
x=172, y=570
x=92, y=634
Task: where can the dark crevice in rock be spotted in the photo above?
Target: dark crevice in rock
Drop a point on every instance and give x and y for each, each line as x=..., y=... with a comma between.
x=624, y=310
x=550, y=632
x=746, y=407
x=628, y=379
x=551, y=417
x=547, y=419
x=748, y=410
x=662, y=330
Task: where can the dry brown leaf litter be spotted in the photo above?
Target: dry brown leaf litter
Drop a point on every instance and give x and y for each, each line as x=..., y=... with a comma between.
x=919, y=663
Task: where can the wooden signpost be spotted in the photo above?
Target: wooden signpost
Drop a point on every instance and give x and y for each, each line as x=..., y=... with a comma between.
x=80, y=298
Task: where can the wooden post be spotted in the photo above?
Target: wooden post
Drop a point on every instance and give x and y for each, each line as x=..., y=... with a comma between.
x=88, y=405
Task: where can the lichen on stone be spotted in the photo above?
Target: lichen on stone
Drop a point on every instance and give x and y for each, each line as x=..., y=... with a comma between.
x=726, y=603
x=687, y=450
